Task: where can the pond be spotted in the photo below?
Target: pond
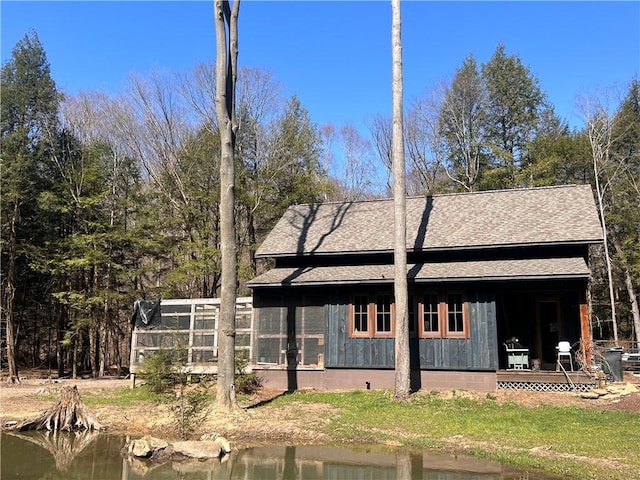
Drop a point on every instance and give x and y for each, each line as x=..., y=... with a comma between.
x=93, y=456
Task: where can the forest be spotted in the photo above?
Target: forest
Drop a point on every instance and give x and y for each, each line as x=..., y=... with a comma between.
x=107, y=199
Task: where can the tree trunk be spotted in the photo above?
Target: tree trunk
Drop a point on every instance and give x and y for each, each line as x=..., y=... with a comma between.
x=75, y=344
x=402, y=357
x=9, y=296
x=607, y=258
x=404, y=466
x=69, y=414
x=103, y=348
x=93, y=349
x=599, y=129
x=628, y=282
x=226, y=68
x=59, y=338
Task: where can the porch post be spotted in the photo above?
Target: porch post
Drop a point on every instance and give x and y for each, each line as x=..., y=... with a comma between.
x=585, y=333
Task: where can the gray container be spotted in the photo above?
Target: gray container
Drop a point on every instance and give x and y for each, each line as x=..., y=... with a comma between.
x=613, y=363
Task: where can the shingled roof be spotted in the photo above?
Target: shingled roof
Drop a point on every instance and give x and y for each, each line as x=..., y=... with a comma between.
x=519, y=217
x=494, y=270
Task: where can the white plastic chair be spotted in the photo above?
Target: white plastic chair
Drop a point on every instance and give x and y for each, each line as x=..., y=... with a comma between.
x=564, y=351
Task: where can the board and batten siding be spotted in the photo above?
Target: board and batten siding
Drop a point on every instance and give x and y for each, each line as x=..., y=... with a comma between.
x=478, y=352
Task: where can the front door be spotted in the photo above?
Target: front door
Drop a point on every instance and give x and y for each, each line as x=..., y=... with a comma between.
x=549, y=328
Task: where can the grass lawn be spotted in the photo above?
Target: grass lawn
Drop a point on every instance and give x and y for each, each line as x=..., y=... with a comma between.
x=570, y=442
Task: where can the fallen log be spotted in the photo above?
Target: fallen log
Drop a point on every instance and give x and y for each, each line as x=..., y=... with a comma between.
x=69, y=414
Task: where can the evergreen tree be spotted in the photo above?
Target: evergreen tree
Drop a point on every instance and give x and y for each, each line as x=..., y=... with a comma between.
x=558, y=157
x=28, y=116
x=284, y=169
x=193, y=222
x=624, y=208
x=513, y=106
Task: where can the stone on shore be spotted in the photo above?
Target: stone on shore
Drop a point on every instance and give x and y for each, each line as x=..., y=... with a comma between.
x=201, y=450
x=159, y=450
x=146, y=447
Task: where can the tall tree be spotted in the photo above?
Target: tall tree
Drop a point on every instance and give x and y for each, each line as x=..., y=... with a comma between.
x=226, y=27
x=600, y=128
x=381, y=130
x=513, y=106
x=402, y=357
x=96, y=186
x=154, y=125
x=479, y=126
x=558, y=157
x=462, y=121
x=79, y=177
x=351, y=164
x=279, y=165
x=624, y=212
x=425, y=143
x=29, y=108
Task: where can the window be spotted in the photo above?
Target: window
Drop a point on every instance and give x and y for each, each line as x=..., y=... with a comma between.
x=383, y=315
x=372, y=316
x=433, y=315
x=430, y=315
x=443, y=315
x=360, y=315
x=454, y=312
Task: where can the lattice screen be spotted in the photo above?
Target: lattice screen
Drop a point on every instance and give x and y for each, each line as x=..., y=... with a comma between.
x=546, y=387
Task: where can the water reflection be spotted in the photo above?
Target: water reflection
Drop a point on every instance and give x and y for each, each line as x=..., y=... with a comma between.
x=38, y=455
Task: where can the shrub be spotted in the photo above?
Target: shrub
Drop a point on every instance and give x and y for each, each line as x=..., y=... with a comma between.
x=245, y=382
x=159, y=371
x=189, y=412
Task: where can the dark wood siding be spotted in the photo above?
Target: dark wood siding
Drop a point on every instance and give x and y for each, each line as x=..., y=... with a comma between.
x=478, y=352
x=343, y=351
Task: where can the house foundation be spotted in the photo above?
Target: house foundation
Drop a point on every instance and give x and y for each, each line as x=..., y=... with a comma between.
x=374, y=379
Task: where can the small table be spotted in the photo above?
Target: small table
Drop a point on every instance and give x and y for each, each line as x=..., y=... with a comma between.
x=517, y=358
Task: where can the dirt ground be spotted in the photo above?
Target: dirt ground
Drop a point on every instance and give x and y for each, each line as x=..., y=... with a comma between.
x=253, y=424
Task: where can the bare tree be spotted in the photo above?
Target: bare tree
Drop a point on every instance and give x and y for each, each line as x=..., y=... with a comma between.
x=226, y=26
x=461, y=121
x=351, y=164
x=600, y=126
x=158, y=131
x=381, y=132
x=161, y=131
x=424, y=143
x=402, y=358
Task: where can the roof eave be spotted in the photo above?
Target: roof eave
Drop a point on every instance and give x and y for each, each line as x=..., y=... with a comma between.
x=504, y=278
x=498, y=278
x=321, y=283
x=593, y=241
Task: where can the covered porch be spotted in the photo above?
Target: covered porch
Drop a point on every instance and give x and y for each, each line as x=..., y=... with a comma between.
x=539, y=317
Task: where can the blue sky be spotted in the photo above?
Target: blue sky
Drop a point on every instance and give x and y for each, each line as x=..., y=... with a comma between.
x=334, y=55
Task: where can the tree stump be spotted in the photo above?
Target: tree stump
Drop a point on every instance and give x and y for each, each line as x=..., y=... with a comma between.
x=69, y=414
